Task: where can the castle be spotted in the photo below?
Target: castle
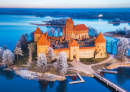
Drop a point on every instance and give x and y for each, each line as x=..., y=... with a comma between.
x=79, y=32
x=73, y=51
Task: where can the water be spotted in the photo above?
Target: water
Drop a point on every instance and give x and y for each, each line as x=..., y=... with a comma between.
x=122, y=79
x=13, y=26
x=9, y=81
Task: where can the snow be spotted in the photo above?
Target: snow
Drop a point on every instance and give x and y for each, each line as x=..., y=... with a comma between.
x=26, y=74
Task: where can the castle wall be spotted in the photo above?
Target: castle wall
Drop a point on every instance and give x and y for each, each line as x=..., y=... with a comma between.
x=101, y=55
x=86, y=53
x=57, y=51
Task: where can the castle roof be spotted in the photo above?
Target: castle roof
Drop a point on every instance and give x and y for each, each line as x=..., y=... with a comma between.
x=70, y=20
x=80, y=27
x=38, y=31
x=100, y=38
x=73, y=43
x=61, y=49
x=43, y=40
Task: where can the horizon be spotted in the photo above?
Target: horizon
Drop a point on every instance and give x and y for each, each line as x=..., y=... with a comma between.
x=65, y=4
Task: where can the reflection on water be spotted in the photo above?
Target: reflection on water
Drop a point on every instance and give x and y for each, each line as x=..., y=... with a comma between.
x=44, y=84
x=9, y=75
x=122, y=79
x=123, y=74
x=62, y=86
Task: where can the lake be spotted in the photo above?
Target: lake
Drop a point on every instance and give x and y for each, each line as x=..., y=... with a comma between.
x=9, y=81
x=13, y=26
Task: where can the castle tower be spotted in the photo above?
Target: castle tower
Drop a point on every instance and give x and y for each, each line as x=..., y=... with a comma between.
x=68, y=28
x=42, y=45
x=37, y=34
x=100, y=46
x=74, y=49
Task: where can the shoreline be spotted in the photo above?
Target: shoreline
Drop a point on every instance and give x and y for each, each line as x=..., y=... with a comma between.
x=31, y=75
x=116, y=65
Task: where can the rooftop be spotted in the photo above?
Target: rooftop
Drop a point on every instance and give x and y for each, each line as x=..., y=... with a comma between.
x=100, y=38
x=80, y=27
x=69, y=20
x=38, y=31
x=43, y=40
x=73, y=43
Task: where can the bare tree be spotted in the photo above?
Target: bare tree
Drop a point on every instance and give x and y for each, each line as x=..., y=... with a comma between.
x=8, y=57
x=32, y=35
x=52, y=31
x=62, y=63
x=1, y=53
x=4, y=47
x=58, y=31
x=26, y=34
x=111, y=45
x=31, y=48
x=18, y=44
x=23, y=42
x=93, y=31
x=18, y=51
x=122, y=48
x=42, y=61
x=51, y=53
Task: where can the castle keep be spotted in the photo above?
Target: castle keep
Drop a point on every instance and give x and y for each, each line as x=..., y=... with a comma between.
x=79, y=32
x=73, y=51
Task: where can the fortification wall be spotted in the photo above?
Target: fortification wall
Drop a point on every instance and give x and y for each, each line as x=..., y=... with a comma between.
x=57, y=51
x=86, y=53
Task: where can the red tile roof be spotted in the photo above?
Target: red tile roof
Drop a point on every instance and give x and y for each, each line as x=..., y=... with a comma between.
x=80, y=27
x=61, y=49
x=70, y=20
x=38, y=31
x=43, y=40
x=100, y=38
x=73, y=43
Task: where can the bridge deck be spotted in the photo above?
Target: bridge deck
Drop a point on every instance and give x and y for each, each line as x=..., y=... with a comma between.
x=116, y=87
x=108, y=71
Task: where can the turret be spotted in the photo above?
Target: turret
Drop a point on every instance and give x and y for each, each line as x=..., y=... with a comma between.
x=69, y=27
x=74, y=49
x=100, y=46
x=42, y=45
x=37, y=34
x=100, y=43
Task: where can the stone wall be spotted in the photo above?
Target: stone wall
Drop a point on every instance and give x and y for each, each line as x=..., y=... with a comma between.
x=57, y=51
x=86, y=53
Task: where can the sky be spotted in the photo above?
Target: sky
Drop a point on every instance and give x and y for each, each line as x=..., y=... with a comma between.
x=64, y=3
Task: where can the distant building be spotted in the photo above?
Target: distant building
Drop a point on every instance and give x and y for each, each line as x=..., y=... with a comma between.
x=73, y=51
x=79, y=32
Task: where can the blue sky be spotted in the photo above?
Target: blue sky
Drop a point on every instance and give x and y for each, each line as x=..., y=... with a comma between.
x=65, y=3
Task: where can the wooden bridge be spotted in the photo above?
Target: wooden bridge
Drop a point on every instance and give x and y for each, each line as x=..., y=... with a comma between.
x=111, y=84
x=108, y=71
x=81, y=80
